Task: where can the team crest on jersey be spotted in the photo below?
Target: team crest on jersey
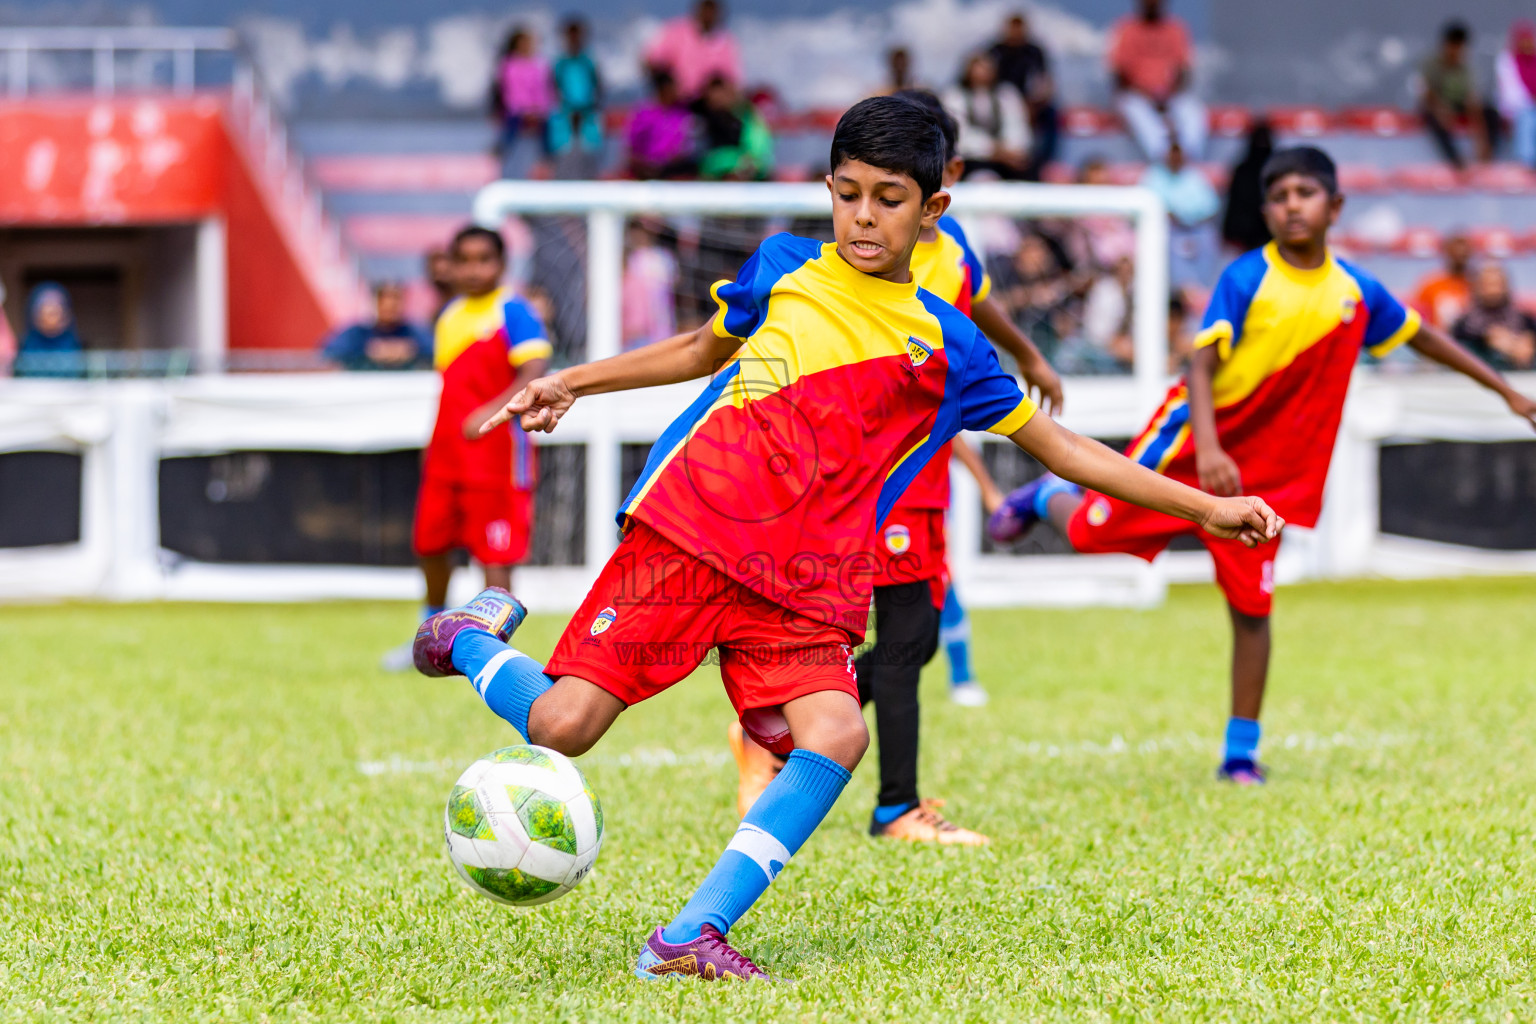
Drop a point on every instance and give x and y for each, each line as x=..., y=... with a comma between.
x=603, y=621
x=1098, y=512
x=918, y=350
x=898, y=539
x=1347, y=312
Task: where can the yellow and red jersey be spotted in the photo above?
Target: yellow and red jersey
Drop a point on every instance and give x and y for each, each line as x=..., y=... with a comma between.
x=845, y=386
x=481, y=340
x=1288, y=340
x=949, y=268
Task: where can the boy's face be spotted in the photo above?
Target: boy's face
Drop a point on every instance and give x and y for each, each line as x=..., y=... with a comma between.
x=877, y=216
x=477, y=268
x=1299, y=210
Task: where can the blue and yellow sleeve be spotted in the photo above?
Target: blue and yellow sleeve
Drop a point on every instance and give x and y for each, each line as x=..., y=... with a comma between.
x=990, y=399
x=981, y=281
x=1222, y=324
x=526, y=338
x=1391, y=323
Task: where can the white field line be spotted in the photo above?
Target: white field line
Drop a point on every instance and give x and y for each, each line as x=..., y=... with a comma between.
x=650, y=758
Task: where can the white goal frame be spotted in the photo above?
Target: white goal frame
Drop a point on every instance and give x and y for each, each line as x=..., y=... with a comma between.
x=1108, y=406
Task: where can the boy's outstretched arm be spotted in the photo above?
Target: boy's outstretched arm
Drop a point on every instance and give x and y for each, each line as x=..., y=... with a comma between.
x=989, y=315
x=1432, y=343
x=679, y=358
x=1087, y=462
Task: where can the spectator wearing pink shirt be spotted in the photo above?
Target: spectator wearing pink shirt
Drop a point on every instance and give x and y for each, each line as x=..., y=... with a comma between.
x=1150, y=57
x=524, y=96
x=695, y=50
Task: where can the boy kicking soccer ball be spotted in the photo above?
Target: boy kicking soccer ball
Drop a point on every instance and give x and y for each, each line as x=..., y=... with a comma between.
x=834, y=380
x=1258, y=411
x=914, y=605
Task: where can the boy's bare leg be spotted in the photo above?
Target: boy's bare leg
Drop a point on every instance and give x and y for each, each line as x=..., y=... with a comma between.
x=437, y=570
x=572, y=715
x=829, y=723
x=1060, y=509
x=499, y=576
x=1250, y=663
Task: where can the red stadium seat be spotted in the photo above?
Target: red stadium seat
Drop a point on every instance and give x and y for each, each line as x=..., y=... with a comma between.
x=1088, y=121
x=1508, y=177
x=1361, y=178
x=1499, y=242
x=1299, y=120
x=1426, y=178
x=1387, y=122
x=1058, y=173
x=1230, y=121
x=1419, y=241
x=404, y=172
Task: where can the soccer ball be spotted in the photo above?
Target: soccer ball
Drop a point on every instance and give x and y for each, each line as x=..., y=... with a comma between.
x=523, y=825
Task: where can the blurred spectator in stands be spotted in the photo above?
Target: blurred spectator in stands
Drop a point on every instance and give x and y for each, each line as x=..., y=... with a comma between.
x=1106, y=345
x=994, y=123
x=1443, y=296
x=696, y=49
x=1192, y=208
x=390, y=342
x=524, y=99
x=1515, y=82
x=898, y=65
x=649, y=289
x=1038, y=293
x=736, y=143
x=1495, y=328
x=1096, y=242
x=661, y=134
x=1181, y=333
x=7, y=338
x=1448, y=97
x=1150, y=57
x=1023, y=64
x=440, y=277
x=50, y=347
x=1242, y=225
x=576, y=126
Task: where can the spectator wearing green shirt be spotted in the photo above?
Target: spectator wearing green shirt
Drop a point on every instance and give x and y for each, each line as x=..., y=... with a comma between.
x=737, y=145
x=1449, y=96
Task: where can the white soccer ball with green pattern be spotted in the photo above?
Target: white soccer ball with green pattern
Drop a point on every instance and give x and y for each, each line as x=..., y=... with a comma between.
x=523, y=825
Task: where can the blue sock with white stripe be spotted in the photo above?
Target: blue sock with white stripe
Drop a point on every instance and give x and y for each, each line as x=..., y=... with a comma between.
x=1051, y=486
x=507, y=679
x=1242, y=739
x=773, y=830
x=955, y=635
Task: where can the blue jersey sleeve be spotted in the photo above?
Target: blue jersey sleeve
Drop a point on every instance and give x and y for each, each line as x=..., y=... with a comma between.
x=1222, y=325
x=981, y=284
x=990, y=399
x=1389, y=322
x=526, y=338
x=743, y=303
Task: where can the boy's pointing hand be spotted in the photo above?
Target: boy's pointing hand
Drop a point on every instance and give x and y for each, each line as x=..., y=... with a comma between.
x=539, y=406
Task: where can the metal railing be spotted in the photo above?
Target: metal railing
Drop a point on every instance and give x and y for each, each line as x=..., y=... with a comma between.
x=28, y=51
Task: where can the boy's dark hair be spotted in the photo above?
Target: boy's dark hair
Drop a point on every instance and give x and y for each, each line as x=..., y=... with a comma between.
x=930, y=102
x=894, y=135
x=1455, y=32
x=476, y=231
x=1304, y=160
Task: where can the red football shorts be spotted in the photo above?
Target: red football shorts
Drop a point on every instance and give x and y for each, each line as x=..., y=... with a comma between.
x=493, y=523
x=910, y=546
x=656, y=613
x=1103, y=524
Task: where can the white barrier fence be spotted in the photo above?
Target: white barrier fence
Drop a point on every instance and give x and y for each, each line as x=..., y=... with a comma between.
x=122, y=429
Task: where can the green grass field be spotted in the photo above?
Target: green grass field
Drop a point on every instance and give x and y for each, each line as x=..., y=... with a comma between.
x=226, y=813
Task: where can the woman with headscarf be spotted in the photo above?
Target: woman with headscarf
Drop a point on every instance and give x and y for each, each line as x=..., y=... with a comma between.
x=1515, y=88
x=50, y=348
x=994, y=122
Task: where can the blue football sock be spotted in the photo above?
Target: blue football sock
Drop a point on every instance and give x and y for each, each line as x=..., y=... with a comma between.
x=955, y=635
x=1242, y=739
x=1052, y=486
x=777, y=825
x=887, y=814
x=507, y=679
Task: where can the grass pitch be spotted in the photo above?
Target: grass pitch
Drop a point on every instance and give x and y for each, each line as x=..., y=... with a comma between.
x=226, y=813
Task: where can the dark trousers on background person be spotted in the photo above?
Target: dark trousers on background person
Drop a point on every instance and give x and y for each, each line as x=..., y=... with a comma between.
x=1445, y=141
x=906, y=637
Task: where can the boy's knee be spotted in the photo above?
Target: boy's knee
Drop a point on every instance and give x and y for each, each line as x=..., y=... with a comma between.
x=564, y=730
x=843, y=741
